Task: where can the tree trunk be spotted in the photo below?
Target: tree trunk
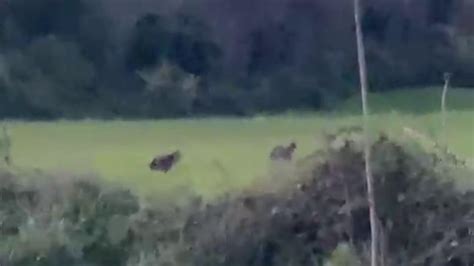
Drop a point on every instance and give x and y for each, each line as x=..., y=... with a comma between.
x=368, y=171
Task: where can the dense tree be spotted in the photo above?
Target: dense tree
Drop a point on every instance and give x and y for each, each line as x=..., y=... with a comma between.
x=191, y=54
x=51, y=76
x=270, y=49
x=147, y=43
x=37, y=18
x=83, y=57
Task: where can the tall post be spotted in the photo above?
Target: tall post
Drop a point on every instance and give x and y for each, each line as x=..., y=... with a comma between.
x=367, y=152
x=447, y=78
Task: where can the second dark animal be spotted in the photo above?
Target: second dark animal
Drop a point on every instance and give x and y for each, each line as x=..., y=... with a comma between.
x=283, y=153
x=164, y=163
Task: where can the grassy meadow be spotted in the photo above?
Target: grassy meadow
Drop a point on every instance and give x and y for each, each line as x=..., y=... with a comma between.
x=222, y=154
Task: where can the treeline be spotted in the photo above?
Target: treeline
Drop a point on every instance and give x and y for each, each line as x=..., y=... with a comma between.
x=109, y=58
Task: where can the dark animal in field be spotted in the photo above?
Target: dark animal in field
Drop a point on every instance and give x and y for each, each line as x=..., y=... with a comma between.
x=283, y=153
x=164, y=163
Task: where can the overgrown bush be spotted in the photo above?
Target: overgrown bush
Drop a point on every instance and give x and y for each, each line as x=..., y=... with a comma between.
x=424, y=220
x=318, y=216
x=58, y=223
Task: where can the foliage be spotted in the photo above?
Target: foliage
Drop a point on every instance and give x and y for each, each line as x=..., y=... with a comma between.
x=424, y=219
x=48, y=223
x=5, y=146
x=51, y=76
x=316, y=213
x=248, y=57
x=170, y=90
x=343, y=255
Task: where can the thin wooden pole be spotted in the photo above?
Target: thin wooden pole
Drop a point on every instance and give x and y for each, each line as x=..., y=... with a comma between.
x=447, y=78
x=367, y=153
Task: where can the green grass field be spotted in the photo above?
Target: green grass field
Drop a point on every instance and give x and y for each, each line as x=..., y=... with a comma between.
x=219, y=153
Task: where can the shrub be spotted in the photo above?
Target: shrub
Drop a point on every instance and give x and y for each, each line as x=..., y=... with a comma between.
x=424, y=220
x=319, y=216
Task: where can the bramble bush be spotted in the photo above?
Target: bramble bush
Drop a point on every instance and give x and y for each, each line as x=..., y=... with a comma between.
x=318, y=215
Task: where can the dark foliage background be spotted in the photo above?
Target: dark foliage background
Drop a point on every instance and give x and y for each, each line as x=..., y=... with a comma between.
x=109, y=58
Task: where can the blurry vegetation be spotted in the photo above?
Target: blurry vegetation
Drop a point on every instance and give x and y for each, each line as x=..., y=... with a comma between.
x=5, y=147
x=407, y=100
x=81, y=58
x=316, y=216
